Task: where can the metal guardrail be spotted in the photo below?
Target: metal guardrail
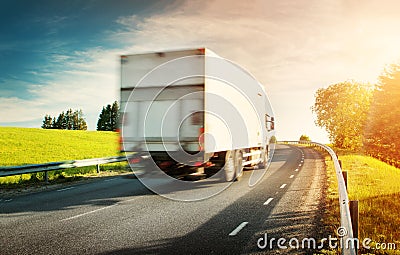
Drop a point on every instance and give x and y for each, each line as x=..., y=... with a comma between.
x=347, y=235
x=52, y=166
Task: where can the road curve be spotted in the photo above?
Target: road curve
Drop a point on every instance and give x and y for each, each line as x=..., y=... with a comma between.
x=120, y=216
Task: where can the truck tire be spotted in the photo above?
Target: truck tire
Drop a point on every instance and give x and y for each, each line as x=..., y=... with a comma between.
x=265, y=155
x=239, y=164
x=229, y=167
x=233, y=168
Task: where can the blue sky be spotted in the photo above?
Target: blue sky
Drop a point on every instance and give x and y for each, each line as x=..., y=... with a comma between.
x=39, y=37
x=56, y=55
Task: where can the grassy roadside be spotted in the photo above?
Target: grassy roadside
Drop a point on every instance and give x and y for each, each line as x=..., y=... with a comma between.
x=376, y=185
x=19, y=146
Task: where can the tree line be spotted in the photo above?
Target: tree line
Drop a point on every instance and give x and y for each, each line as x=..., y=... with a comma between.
x=69, y=120
x=362, y=116
x=74, y=119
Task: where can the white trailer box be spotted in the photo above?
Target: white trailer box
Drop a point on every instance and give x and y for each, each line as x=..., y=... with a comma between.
x=192, y=107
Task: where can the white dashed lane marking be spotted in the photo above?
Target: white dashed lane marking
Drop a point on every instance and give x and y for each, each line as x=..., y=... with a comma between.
x=237, y=230
x=268, y=201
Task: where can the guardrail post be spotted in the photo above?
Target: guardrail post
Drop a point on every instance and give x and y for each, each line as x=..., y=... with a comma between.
x=354, y=215
x=46, y=176
x=98, y=168
x=344, y=173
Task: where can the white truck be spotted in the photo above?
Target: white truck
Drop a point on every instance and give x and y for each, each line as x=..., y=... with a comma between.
x=193, y=113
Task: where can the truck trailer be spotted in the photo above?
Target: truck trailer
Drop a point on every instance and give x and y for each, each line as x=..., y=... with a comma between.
x=192, y=113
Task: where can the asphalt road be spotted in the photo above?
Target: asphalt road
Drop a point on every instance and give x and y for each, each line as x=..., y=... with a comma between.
x=120, y=216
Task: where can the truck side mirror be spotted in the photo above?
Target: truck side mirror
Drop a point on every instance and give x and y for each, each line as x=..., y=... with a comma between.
x=272, y=123
x=269, y=122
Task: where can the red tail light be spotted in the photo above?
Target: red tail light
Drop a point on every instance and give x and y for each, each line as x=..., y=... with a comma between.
x=199, y=163
x=201, y=51
x=134, y=160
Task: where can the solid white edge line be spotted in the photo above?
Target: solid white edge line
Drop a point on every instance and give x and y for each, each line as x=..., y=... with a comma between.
x=283, y=186
x=237, y=230
x=99, y=209
x=268, y=201
x=65, y=189
x=290, y=177
x=86, y=213
x=112, y=179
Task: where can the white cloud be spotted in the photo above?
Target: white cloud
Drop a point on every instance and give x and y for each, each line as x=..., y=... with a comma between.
x=14, y=109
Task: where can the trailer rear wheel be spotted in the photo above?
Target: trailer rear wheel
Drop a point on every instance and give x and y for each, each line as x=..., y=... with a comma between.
x=265, y=156
x=233, y=165
x=239, y=164
x=229, y=167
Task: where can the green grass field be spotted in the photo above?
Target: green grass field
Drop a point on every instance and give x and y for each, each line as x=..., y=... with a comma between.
x=376, y=185
x=19, y=146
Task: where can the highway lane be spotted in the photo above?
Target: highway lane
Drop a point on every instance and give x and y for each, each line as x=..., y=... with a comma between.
x=120, y=216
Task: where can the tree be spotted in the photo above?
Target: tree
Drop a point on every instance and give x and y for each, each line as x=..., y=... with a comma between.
x=79, y=120
x=61, y=121
x=342, y=110
x=114, y=116
x=304, y=138
x=69, y=120
x=108, y=118
x=101, y=123
x=382, y=134
x=47, y=122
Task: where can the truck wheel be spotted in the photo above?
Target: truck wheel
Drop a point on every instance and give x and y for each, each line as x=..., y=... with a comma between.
x=265, y=154
x=233, y=165
x=229, y=167
x=239, y=164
